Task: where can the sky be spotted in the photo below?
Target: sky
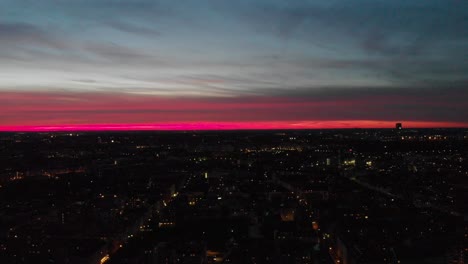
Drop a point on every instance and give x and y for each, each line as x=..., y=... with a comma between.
x=244, y=64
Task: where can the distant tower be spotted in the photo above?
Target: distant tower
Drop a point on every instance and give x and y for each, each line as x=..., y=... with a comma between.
x=398, y=126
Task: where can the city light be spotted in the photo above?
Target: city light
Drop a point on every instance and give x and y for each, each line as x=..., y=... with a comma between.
x=105, y=259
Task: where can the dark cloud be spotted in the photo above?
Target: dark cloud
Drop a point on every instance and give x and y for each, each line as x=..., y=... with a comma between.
x=13, y=34
x=134, y=29
x=387, y=27
x=85, y=81
x=118, y=53
x=446, y=95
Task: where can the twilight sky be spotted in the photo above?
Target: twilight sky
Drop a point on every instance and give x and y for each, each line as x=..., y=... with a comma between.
x=222, y=64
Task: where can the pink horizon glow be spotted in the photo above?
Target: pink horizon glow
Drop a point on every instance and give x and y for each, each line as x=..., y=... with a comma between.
x=68, y=111
x=232, y=126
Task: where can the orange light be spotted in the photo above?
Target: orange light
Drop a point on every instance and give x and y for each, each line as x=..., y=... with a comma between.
x=105, y=259
x=315, y=225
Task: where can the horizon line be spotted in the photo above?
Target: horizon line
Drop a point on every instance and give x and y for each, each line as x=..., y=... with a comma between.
x=233, y=126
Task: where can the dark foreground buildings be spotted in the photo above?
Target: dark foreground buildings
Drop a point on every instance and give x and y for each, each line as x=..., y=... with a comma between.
x=349, y=196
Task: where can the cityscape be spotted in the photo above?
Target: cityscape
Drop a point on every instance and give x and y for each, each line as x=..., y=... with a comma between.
x=306, y=196
x=233, y=132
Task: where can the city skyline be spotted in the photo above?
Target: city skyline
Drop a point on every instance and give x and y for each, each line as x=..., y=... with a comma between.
x=196, y=65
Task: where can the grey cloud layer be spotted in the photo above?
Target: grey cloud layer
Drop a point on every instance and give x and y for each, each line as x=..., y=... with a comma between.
x=224, y=48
